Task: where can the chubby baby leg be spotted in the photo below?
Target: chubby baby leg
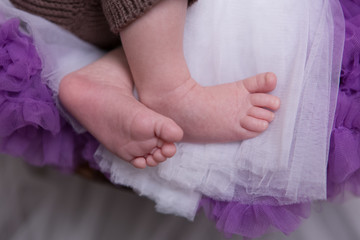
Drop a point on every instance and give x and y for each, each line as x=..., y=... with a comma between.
x=229, y=112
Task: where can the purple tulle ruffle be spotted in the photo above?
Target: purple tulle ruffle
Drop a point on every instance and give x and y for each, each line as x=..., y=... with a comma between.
x=31, y=126
x=344, y=156
x=252, y=221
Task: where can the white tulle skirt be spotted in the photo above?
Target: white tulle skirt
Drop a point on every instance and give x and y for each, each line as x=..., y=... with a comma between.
x=226, y=41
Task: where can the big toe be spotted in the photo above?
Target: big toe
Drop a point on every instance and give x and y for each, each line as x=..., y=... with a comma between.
x=261, y=83
x=139, y=162
x=168, y=131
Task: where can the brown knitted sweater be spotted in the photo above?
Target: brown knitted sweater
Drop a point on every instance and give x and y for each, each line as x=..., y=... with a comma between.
x=96, y=21
x=120, y=13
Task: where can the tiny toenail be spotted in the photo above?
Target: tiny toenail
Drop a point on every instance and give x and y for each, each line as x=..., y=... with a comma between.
x=270, y=75
x=276, y=102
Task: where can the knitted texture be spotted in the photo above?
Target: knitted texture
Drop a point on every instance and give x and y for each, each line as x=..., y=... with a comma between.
x=121, y=13
x=83, y=18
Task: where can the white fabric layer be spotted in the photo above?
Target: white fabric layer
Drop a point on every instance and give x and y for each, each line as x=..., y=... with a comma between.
x=226, y=41
x=230, y=40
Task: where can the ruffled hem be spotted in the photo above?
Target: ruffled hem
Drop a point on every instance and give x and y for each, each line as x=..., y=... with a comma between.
x=252, y=221
x=31, y=126
x=344, y=156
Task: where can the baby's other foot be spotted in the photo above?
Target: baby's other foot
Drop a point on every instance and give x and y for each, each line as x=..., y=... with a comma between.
x=100, y=97
x=222, y=113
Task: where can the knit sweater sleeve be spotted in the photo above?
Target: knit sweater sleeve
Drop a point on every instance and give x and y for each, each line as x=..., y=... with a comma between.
x=120, y=13
x=84, y=18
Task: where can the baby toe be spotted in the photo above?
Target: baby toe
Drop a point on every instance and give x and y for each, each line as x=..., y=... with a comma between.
x=168, y=130
x=150, y=161
x=168, y=150
x=270, y=81
x=254, y=124
x=261, y=113
x=261, y=83
x=139, y=162
x=265, y=101
x=158, y=156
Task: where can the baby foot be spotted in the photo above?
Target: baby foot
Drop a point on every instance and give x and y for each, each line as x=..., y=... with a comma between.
x=100, y=97
x=222, y=113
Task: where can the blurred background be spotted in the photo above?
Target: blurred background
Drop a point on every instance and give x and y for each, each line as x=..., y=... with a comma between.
x=44, y=204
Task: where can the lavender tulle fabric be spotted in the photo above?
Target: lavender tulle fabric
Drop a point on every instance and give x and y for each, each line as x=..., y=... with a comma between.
x=344, y=157
x=343, y=173
x=253, y=221
x=32, y=128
